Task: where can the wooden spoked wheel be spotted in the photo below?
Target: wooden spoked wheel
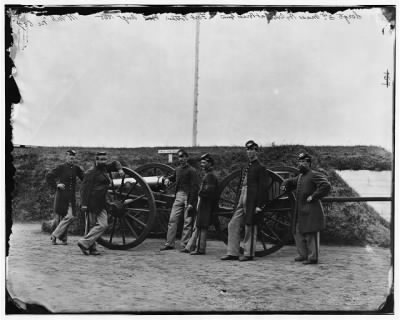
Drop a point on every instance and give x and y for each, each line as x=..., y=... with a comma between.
x=274, y=223
x=131, y=211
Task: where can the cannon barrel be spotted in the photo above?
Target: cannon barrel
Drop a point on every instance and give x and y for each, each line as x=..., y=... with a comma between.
x=154, y=182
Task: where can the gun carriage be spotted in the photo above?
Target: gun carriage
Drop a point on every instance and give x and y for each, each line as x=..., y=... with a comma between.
x=140, y=202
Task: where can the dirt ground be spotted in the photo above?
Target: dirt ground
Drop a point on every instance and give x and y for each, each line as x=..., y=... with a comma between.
x=144, y=279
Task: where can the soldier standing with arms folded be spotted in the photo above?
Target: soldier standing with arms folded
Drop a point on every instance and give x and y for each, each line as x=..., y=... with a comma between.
x=94, y=199
x=186, y=192
x=63, y=180
x=208, y=201
x=253, y=196
x=309, y=218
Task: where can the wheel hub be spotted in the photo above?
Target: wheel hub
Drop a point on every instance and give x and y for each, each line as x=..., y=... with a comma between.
x=117, y=208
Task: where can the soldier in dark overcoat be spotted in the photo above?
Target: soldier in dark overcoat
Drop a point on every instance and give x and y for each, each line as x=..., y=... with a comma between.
x=94, y=200
x=308, y=219
x=253, y=196
x=63, y=179
x=208, y=200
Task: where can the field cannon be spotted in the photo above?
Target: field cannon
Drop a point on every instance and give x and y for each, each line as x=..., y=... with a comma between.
x=141, y=201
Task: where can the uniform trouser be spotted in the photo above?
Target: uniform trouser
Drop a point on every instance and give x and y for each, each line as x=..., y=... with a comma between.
x=307, y=244
x=250, y=231
x=63, y=222
x=178, y=208
x=198, y=240
x=98, y=224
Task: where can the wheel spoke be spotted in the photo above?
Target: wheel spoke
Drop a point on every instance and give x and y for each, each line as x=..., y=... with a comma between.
x=122, y=230
x=112, y=183
x=227, y=200
x=137, y=198
x=131, y=228
x=279, y=196
x=136, y=220
x=273, y=232
x=130, y=190
x=138, y=210
x=113, y=229
x=231, y=188
x=278, y=221
x=262, y=240
x=266, y=235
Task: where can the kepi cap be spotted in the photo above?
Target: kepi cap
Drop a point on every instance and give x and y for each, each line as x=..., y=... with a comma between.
x=304, y=156
x=251, y=145
x=71, y=152
x=183, y=152
x=207, y=158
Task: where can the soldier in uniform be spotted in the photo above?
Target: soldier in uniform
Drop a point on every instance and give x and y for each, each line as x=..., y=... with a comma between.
x=253, y=196
x=93, y=200
x=309, y=218
x=186, y=192
x=63, y=180
x=208, y=200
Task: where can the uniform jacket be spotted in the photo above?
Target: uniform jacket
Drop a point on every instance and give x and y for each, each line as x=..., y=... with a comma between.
x=309, y=215
x=95, y=185
x=66, y=174
x=208, y=200
x=257, y=186
x=187, y=180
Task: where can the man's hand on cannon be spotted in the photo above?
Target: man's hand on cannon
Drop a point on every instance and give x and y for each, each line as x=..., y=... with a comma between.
x=117, y=205
x=167, y=182
x=121, y=173
x=309, y=199
x=61, y=186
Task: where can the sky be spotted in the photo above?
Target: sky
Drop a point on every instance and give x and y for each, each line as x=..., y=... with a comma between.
x=90, y=81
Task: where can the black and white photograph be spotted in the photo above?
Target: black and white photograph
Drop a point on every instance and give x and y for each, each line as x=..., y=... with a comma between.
x=200, y=159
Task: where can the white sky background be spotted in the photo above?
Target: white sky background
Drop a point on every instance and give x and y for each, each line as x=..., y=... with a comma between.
x=93, y=82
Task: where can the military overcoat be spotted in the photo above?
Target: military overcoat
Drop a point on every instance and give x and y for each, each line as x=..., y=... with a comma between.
x=65, y=174
x=208, y=200
x=257, y=185
x=309, y=215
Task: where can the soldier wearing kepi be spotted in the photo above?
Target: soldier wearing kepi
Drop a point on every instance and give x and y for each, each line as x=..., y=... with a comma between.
x=63, y=180
x=253, y=196
x=309, y=217
x=186, y=192
x=208, y=200
x=94, y=199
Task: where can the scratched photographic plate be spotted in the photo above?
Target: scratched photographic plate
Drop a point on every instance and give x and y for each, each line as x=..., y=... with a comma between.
x=130, y=76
